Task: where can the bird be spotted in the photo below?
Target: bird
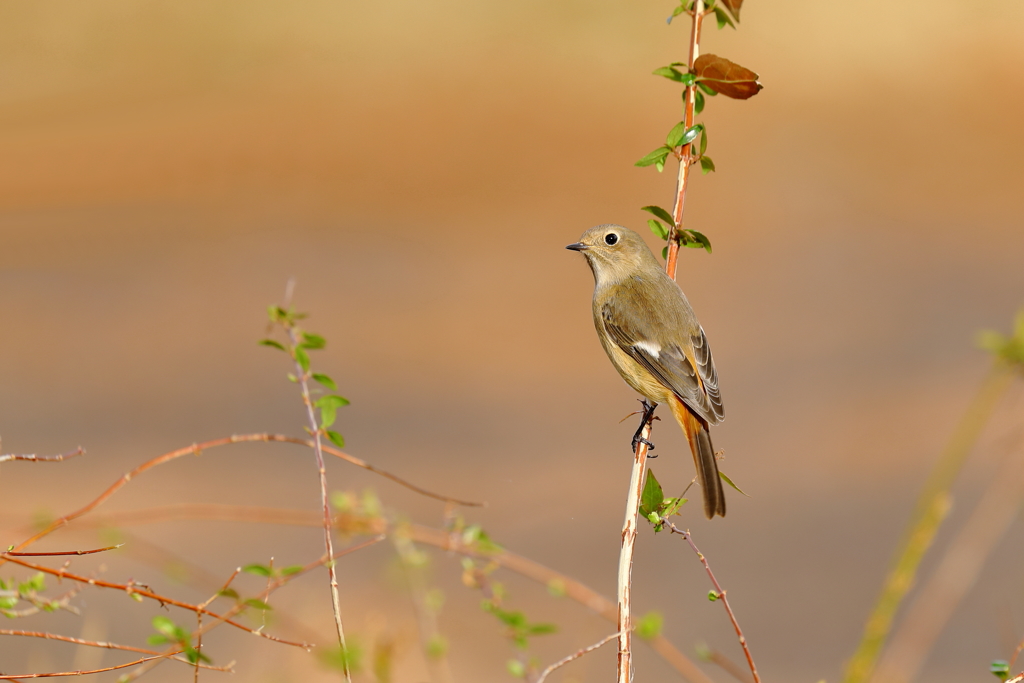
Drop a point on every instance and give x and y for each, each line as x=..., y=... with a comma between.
x=652, y=337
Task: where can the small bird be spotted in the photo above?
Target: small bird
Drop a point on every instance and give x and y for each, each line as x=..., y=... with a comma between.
x=653, y=339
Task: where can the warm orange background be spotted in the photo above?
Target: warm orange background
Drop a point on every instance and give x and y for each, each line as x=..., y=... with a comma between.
x=418, y=167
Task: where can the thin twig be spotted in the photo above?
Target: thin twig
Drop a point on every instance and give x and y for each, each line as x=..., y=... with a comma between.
x=104, y=645
x=721, y=595
x=438, y=538
x=624, y=618
x=575, y=655
x=729, y=666
x=135, y=589
x=32, y=457
x=61, y=674
x=196, y=449
x=317, y=431
x=65, y=552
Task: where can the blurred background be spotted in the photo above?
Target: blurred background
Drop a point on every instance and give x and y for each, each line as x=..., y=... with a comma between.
x=165, y=167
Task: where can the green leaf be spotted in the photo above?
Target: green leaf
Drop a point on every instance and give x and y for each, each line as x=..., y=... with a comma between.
x=437, y=646
x=516, y=668
x=730, y=482
x=332, y=400
x=698, y=101
x=257, y=569
x=193, y=655
x=229, y=593
x=541, y=629
x=312, y=341
x=703, y=139
x=1000, y=669
x=325, y=380
x=336, y=438
x=157, y=639
x=271, y=342
x=660, y=165
x=302, y=357
x=691, y=134
x=669, y=73
x=657, y=228
x=713, y=596
x=652, y=496
x=723, y=18
x=165, y=626
x=675, y=136
x=659, y=212
x=707, y=90
x=258, y=604
x=697, y=240
x=664, y=253
x=655, y=157
x=289, y=571
x=706, y=165
x=649, y=625
x=328, y=416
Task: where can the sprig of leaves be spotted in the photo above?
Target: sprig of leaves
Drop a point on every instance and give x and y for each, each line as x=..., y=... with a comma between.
x=327, y=405
x=654, y=505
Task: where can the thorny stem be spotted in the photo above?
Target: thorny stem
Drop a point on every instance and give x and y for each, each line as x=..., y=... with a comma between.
x=685, y=158
x=721, y=595
x=317, y=433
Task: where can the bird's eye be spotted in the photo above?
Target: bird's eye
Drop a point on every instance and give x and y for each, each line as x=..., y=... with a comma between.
x=611, y=238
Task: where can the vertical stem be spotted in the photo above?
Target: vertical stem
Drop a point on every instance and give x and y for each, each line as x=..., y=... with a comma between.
x=317, y=433
x=636, y=483
x=682, y=179
x=928, y=515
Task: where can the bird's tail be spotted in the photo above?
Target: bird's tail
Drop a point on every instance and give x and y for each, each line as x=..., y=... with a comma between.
x=697, y=434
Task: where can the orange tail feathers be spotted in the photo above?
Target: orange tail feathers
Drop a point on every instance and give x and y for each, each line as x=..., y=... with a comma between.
x=697, y=434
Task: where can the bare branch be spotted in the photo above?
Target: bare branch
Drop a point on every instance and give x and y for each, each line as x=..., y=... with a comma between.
x=720, y=595
x=575, y=655
x=32, y=457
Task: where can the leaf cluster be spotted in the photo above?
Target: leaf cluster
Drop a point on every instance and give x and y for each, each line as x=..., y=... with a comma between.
x=169, y=633
x=297, y=345
x=1009, y=349
x=654, y=506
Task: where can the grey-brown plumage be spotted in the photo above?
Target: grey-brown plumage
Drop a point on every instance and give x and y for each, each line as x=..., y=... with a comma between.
x=653, y=339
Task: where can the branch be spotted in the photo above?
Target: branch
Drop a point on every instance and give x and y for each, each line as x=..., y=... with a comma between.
x=932, y=506
x=134, y=589
x=956, y=573
x=438, y=538
x=685, y=158
x=719, y=595
x=576, y=655
x=32, y=457
x=303, y=374
x=64, y=552
x=624, y=618
x=196, y=449
x=104, y=645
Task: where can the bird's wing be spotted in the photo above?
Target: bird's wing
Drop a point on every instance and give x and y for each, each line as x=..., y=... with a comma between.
x=687, y=368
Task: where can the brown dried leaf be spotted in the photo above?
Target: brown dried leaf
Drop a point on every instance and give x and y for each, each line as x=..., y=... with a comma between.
x=725, y=77
x=733, y=6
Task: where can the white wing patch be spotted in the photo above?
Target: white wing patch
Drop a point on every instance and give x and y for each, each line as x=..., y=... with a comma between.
x=650, y=347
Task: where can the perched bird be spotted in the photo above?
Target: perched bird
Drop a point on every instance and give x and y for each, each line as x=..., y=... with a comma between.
x=653, y=339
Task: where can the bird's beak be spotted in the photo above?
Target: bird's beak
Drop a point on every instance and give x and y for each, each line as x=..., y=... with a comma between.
x=578, y=246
